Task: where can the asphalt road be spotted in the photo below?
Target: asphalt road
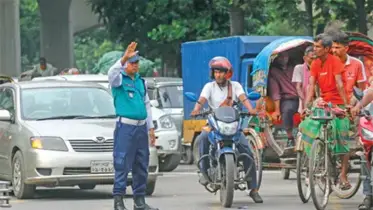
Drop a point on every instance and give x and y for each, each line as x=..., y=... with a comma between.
x=179, y=190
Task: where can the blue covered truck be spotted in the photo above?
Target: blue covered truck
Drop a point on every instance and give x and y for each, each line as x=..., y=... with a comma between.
x=240, y=50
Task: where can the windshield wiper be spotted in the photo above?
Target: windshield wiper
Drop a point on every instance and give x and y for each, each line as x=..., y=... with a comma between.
x=63, y=117
x=98, y=117
x=67, y=117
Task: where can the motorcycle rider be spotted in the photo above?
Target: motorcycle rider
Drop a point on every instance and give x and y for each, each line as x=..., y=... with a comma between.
x=363, y=103
x=222, y=92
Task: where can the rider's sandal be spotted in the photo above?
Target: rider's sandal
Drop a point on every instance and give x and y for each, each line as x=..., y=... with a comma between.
x=345, y=186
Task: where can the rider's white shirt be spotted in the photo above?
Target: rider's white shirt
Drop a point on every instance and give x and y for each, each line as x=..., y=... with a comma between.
x=215, y=95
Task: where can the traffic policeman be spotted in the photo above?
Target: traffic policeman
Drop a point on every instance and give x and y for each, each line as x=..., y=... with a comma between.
x=134, y=121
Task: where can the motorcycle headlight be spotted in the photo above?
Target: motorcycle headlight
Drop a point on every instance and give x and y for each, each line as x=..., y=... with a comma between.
x=48, y=143
x=368, y=135
x=227, y=128
x=166, y=122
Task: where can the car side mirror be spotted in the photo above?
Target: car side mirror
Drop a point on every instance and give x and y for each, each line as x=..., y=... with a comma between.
x=5, y=115
x=154, y=103
x=358, y=93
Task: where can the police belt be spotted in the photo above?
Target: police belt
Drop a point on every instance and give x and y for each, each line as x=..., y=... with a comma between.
x=128, y=121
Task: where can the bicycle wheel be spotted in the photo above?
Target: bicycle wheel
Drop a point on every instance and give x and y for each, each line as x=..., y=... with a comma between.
x=318, y=174
x=257, y=153
x=302, y=177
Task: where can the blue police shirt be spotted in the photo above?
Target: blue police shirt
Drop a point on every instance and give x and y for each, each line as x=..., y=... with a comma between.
x=130, y=100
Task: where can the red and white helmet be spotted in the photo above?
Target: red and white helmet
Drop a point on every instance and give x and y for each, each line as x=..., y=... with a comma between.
x=222, y=64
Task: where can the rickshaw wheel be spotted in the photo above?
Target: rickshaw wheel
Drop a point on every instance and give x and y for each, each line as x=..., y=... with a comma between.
x=257, y=153
x=302, y=166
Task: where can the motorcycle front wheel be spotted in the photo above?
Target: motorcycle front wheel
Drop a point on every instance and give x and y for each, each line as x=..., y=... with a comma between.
x=227, y=184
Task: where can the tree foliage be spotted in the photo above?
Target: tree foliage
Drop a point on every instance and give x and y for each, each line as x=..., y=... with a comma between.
x=30, y=32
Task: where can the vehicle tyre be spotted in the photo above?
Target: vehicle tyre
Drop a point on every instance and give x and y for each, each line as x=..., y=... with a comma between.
x=195, y=151
x=150, y=188
x=87, y=186
x=285, y=173
x=187, y=155
x=258, y=154
x=169, y=163
x=302, y=165
x=227, y=187
x=20, y=189
x=317, y=157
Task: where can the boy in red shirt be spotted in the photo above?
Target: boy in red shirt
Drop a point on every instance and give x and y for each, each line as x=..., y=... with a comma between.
x=326, y=71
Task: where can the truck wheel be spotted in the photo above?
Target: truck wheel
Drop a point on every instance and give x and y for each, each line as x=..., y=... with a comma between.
x=150, y=188
x=20, y=189
x=196, y=150
x=187, y=155
x=169, y=163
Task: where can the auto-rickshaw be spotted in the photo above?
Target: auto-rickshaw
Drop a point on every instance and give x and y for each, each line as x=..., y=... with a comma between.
x=262, y=128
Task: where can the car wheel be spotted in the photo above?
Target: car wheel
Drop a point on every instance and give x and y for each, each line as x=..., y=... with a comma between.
x=169, y=163
x=20, y=189
x=87, y=186
x=150, y=188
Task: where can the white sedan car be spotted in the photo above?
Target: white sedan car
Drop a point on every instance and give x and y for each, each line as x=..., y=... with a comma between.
x=59, y=133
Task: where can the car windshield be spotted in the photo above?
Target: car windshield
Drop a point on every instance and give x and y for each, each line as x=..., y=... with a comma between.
x=66, y=103
x=171, y=96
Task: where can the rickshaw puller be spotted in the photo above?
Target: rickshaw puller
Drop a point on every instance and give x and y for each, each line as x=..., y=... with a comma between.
x=222, y=92
x=326, y=71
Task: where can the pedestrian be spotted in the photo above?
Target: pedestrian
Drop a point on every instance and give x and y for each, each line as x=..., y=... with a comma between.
x=44, y=69
x=133, y=128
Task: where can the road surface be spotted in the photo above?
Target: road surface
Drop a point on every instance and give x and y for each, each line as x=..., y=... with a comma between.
x=179, y=190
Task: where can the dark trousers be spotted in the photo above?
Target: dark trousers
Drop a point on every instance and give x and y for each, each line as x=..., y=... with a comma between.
x=242, y=146
x=288, y=108
x=131, y=152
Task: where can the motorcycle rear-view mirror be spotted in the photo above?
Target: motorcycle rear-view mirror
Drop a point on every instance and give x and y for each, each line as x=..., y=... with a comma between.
x=253, y=96
x=358, y=93
x=191, y=96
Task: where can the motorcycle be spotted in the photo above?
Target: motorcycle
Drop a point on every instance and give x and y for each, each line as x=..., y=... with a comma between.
x=365, y=133
x=226, y=172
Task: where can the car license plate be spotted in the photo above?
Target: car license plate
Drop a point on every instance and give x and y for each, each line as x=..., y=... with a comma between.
x=102, y=166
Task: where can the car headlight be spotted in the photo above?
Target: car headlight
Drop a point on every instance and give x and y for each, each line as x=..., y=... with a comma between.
x=48, y=143
x=227, y=128
x=166, y=122
x=368, y=135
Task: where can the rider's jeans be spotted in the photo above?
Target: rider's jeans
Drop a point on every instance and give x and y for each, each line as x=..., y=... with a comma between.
x=242, y=146
x=367, y=189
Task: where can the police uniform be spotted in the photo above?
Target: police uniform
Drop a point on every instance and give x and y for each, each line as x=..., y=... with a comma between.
x=131, y=144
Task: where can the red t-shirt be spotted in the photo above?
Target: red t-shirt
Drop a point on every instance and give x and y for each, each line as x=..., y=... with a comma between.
x=325, y=77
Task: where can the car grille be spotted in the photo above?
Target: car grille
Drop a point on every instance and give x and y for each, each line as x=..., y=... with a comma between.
x=91, y=146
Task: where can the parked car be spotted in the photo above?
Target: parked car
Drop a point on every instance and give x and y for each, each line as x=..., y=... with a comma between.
x=167, y=138
x=59, y=133
x=166, y=93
